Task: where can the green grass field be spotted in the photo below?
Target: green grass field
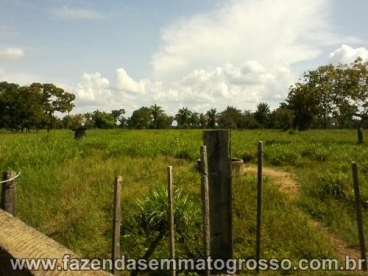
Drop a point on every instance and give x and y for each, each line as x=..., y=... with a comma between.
x=66, y=188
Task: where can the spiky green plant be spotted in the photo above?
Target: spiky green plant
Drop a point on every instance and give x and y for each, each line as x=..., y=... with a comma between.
x=152, y=218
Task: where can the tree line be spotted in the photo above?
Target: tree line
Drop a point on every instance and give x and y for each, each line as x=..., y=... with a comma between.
x=331, y=96
x=154, y=117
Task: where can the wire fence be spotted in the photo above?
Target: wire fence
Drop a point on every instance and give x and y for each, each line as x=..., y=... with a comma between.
x=11, y=179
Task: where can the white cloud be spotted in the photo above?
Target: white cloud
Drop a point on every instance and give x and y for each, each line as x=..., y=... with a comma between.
x=93, y=89
x=126, y=83
x=11, y=53
x=240, y=54
x=346, y=54
x=75, y=13
x=272, y=32
x=242, y=86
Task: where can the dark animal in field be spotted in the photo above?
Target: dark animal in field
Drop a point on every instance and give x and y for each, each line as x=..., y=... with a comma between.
x=79, y=133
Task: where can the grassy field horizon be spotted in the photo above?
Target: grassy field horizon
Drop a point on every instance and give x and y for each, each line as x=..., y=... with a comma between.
x=66, y=188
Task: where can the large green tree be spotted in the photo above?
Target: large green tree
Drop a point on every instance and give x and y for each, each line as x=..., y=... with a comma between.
x=248, y=121
x=262, y=115
x=103, y=119
x=231, y=117
x=118, y=115
x=304, y=104
x=54, y=99
x=282, y=117
x=34, y=106
x=14, y=112
x=141, y=118
x=331, y=95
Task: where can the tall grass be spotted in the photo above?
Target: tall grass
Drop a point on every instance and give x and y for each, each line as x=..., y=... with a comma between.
x=66, y=186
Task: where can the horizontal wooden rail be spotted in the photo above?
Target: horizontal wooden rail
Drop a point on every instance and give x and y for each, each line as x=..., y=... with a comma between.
x=20, y=241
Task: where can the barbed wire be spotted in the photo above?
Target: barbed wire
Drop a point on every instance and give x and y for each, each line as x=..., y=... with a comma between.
x=11, y=179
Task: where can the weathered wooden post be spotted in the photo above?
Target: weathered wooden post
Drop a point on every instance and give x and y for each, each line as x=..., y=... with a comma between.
x=171, y=215
x=9, y=192
x=205, y=203
x=360, y=134
x=259, y=202
x=220, y=193
x=116, y=222
x=358, y=208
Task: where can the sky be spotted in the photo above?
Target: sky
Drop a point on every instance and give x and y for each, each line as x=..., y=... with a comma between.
x=182, y=53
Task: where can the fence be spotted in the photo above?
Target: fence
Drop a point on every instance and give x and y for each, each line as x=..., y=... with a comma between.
x=216, y=166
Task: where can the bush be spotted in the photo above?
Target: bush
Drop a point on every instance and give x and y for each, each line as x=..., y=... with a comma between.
x=332, y=185
x=150, y=223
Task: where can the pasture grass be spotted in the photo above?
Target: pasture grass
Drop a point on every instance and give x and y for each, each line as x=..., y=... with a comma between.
x=66, y=190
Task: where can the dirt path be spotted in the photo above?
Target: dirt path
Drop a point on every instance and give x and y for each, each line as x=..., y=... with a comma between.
x=285, y=181
x=287, y=184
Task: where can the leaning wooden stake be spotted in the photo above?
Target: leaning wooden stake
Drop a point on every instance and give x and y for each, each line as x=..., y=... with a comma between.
x=359, y=216
x=205, y=203
x=171, y=215
x=116, y=222
x=259, y=202
x=9, y=192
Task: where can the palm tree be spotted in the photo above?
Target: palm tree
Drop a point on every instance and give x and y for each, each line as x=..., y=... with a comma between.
x=212, y=118
x=157, y=113
x=183, y=118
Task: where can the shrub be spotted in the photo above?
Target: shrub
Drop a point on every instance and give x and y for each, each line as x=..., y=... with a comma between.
x=332, y=185
x=150, y=223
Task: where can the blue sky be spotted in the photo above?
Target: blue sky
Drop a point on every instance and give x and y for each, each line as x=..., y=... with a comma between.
x=123, y=32
x=176, y=53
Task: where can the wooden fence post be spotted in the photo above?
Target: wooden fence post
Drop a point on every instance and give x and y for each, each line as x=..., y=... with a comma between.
x=9, y=192
x=171, y=216
x=360, y=134
x=259, y=202
x=358, y=208
x=205, y=203
x=220, y=193
x=116, y=222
